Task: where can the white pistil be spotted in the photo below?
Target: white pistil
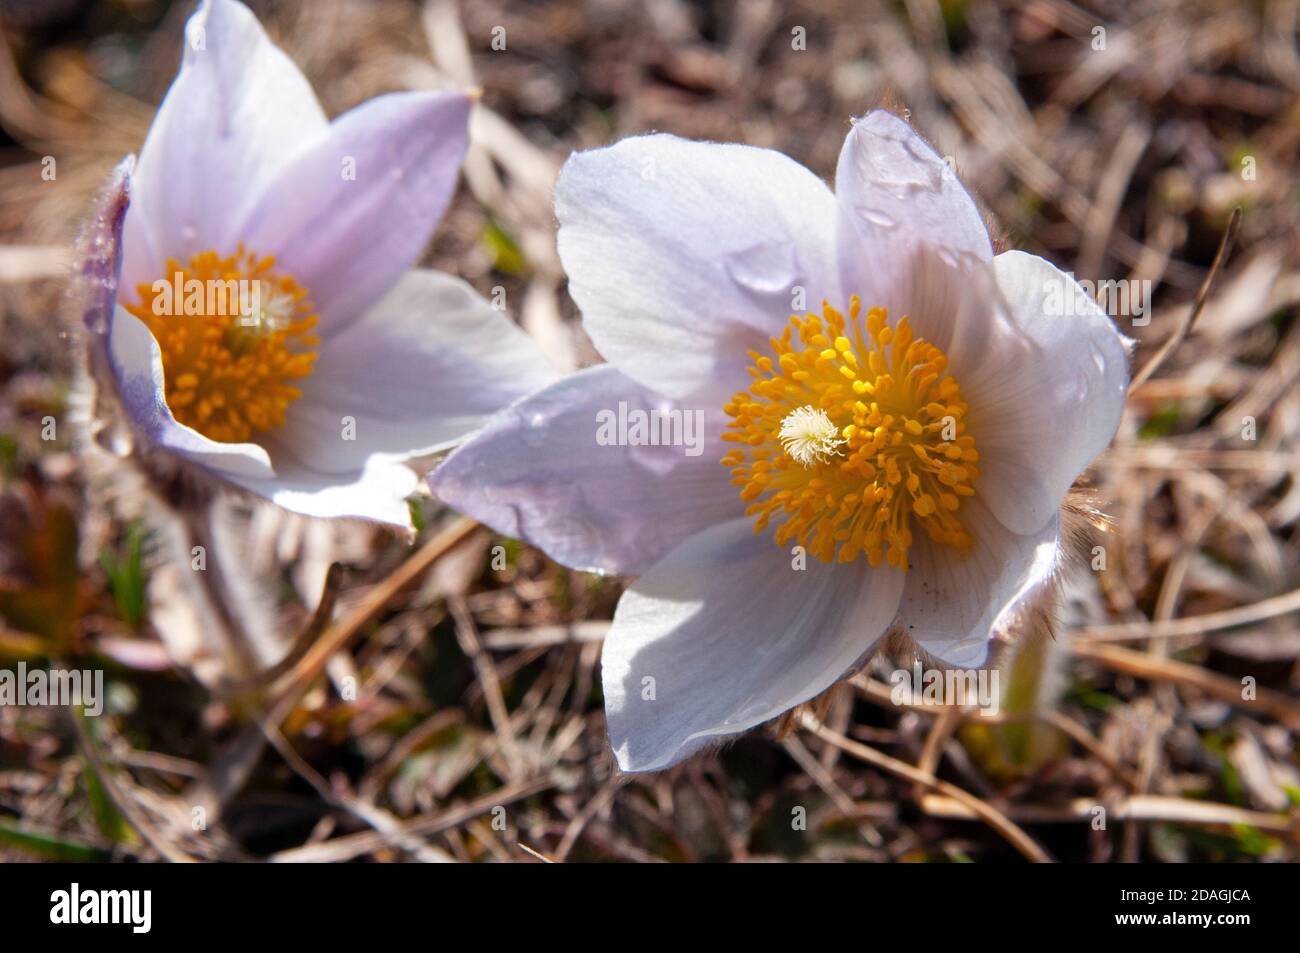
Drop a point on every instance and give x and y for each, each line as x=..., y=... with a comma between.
x=268, y=311
x=809, y=437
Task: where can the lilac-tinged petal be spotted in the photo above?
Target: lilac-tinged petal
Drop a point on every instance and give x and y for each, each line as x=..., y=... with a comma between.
x=953, y=600
x=1052, y=399
x=1043, y=370
x=428, y=364
x=537, y=472
x=683, y=255
x=137, y=364
x=238, y=110
x=725, y=633
x=99, y=251
x=354, y=211
x=895, y=192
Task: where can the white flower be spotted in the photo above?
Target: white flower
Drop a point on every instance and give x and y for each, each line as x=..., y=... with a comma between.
x=269, y=325
x=964, y=404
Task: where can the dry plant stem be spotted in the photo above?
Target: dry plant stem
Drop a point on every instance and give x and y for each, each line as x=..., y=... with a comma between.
x=584, y=816
x=467, y=636
x=305, y=638
x=218, y=587
x=357, y=845
x=308, y=660
x=983, y=810
x=382, y=821
x=1197, y=624
x=823, y=778
x=121, y=799
x=1087, y=742
x=291, y=687
x=1273, y=704
x=949, y=718
x=1139, y=807
x=879, y=692
x=1225, y=245
x=533, y=853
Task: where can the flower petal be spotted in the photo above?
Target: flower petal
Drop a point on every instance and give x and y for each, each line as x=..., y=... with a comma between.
x=1043, y=370
x=683, y=255
x=724, y=634
x=238, y=110
x=428, y=364
x=1052, y=400
x=895, y=192
x=537, y=472
x=349, y=215
x=376, y=492
x=137, y=364
x=953, y=600
x=99, y=252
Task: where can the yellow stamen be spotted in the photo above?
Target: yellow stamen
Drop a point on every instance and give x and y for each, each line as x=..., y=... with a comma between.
x=847, y=438
x=234, y=334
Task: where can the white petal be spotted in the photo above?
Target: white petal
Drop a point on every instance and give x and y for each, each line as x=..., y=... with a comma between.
x=728, y=634
x=1049, y=396
x=538, y=473
x=895, y=192
x=953, y=599
x=137, y=364
x=428, y=364
x=353, y=212
x=377, y=492
x=238, y=110
x=683, y=255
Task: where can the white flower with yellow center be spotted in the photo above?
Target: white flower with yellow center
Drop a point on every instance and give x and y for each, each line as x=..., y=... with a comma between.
x=895, y=454
x=268, y=323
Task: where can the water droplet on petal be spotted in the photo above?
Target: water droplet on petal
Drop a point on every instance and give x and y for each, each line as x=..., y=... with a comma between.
x=876, y=216
x=890, y=159
x=766, y=269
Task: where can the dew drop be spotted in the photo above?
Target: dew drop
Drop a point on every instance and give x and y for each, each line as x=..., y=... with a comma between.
x=876, y=216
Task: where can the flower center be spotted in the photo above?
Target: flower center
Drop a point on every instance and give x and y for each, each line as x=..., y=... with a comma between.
x=852, y=438
x=234, y=335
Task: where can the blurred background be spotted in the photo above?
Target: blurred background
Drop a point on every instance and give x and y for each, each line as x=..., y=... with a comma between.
x=457, y=712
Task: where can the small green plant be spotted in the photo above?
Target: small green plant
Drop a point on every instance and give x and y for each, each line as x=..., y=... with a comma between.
x=126, y=577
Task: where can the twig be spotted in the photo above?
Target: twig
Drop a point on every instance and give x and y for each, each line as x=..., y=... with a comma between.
x=467, y=636
x=304, y=640
x=1175, y=339
x=356, y=845
x=294, y=684
x=1139, y=807
x=1274, y=704
x=1197, y=624
x=584, y=816
x=983, y=810
x=122, y=800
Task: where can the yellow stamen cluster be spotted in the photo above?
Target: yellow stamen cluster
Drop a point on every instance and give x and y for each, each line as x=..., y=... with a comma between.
x=228, y=365
x=848, y=438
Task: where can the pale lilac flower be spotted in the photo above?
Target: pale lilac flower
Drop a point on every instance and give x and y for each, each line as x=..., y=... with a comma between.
x=340, y=359
x=912, y=450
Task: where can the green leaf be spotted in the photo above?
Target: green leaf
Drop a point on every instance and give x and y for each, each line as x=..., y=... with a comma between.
x=108, y=818
x=50, y=846
x=126, y=578
x=507, y=257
